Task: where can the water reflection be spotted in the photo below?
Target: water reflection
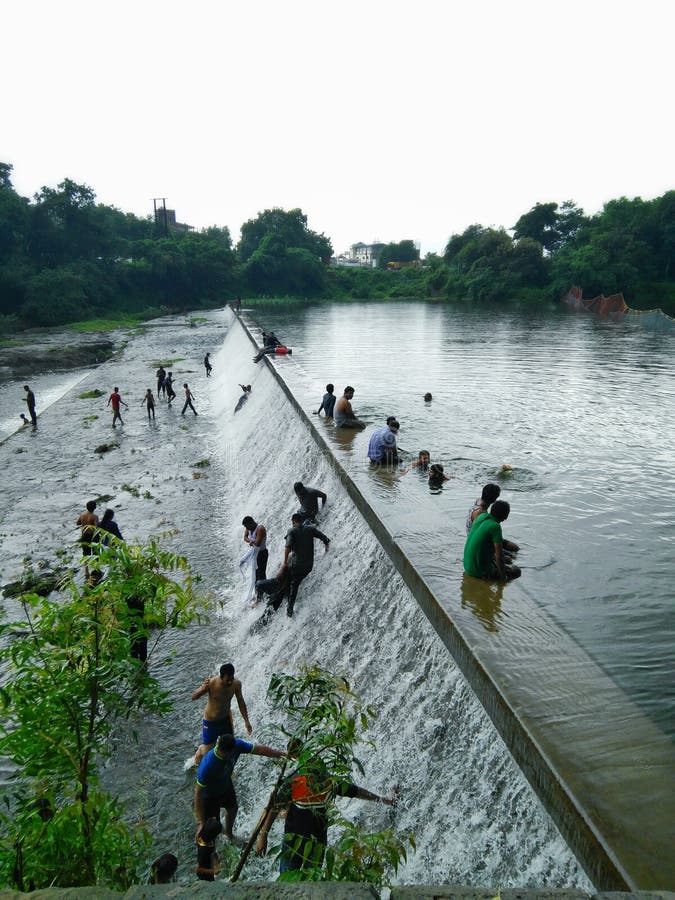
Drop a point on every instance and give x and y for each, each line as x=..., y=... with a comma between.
x=484, y=599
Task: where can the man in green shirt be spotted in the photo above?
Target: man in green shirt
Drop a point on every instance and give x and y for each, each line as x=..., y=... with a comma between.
x=484, y=548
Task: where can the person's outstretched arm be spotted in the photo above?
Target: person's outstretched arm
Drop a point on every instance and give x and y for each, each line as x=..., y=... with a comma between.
x=202, y=689
x=241, y=703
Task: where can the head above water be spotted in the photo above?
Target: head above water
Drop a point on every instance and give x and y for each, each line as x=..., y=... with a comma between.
x=393, y=424
x=436, y=471
x=116, y=389
x=490, y=493
x=26, y=388
x=297, y=519
x=349, y=390
x=427, y=397
x=298, y=487
x=249, y=522
x=227, y=670
x=108, y=516
x=91, y=505
x=423, y=456
x=330, y=388
x=500, y=509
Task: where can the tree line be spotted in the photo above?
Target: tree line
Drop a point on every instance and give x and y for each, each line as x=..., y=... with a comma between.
x=64, y=257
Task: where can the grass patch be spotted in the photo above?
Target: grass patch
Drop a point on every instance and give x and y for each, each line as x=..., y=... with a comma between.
x=105, y=448
x=202, y=464
x=90, y=395
x=104, y=498
x=166, y=363
x=121, y=320
x=87, y=420
x=193, y=321
x=130, y=489
x=148, y=496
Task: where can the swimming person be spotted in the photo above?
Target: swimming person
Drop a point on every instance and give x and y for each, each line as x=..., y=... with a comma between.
x=343, y=414
x=422, y=462
x=437, y=475
x=327, y=403
x=483, y=550
x=218, y=713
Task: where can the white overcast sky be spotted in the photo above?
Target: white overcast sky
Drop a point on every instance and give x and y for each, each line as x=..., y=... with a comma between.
x=380, y=119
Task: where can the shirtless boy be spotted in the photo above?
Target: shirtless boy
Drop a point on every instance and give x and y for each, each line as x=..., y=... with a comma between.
x=217, y=713
x=87, y=522
x=343, y=414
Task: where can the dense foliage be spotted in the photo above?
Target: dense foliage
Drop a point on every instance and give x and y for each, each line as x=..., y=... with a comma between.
x=64, y=257
x=629, y=246
x=75, y=671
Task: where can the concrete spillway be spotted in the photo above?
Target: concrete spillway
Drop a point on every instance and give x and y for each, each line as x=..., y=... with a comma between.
x=600, y=767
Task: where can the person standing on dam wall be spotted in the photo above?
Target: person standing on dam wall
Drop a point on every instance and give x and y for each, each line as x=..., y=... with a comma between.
x=484, y=547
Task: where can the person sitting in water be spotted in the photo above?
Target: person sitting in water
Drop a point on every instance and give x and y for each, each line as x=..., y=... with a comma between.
x=427, y=397
x=484, y=547
x=327, y=403
x=343, y=415
x=437, y=475
x=488, y=496
x=382, y=445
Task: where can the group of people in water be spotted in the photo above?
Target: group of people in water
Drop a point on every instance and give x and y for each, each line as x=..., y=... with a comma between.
x=486, y=554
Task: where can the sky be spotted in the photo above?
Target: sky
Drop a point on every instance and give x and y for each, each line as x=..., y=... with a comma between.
x=381, y=120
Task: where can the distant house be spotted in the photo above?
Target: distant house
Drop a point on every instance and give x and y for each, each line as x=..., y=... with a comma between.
x=365, y=254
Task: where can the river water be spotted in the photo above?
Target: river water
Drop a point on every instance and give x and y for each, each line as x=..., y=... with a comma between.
x=582, y=411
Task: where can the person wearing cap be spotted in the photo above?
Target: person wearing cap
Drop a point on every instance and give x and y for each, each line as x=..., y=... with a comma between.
x=214, y=788
x=382, y=444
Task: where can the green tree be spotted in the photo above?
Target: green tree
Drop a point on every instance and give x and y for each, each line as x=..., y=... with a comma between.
x=75, y=672
x=539, y=224
x=290, y=227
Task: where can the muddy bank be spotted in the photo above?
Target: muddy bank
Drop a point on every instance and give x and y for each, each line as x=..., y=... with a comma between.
x=57, y=352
